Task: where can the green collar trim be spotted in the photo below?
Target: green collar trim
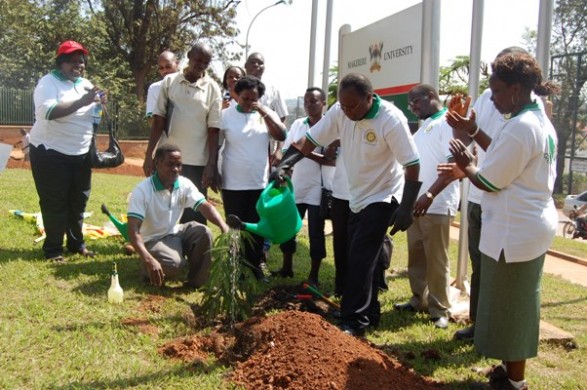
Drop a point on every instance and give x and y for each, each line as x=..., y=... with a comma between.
x=528, y=107
x=240, y=109
x=59, y=76
x=307, y=120
x=159, y=185
x=372, y=113
x=439, y=113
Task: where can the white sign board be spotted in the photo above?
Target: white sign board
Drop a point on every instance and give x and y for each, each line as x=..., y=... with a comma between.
x=388, y=52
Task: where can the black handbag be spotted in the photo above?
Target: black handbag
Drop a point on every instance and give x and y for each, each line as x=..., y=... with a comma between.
x=110, y=158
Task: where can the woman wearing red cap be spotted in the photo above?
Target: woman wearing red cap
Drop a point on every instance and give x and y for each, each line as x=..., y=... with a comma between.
x=60, y=141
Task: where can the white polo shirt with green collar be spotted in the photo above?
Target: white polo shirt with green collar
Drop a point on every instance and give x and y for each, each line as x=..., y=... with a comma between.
x=376, y=149
x=519, y=216
x=432, y=140
x=71, y=134
x=159, y=209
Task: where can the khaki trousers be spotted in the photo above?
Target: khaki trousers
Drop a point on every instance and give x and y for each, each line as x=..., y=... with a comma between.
x=190, y=246
x=428, y=266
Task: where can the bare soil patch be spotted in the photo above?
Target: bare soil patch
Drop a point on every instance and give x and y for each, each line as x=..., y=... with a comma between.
x=295, y=349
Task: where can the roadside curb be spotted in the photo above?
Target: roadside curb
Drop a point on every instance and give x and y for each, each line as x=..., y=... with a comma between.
x=560, y=255
x=567, y=257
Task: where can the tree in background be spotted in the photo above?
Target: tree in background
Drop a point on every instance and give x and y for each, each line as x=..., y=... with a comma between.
x=137, y=31
x=454, y=78
x=569, y=36
x=31, y=33
x=124, y=38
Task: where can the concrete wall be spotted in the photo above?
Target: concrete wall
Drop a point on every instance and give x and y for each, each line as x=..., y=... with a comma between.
x=131, y=149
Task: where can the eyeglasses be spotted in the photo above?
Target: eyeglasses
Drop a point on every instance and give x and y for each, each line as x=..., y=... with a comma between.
x=351, y=109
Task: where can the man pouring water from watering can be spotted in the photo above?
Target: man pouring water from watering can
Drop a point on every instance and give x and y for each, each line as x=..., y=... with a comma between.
x=156, y=205
x=382, y=160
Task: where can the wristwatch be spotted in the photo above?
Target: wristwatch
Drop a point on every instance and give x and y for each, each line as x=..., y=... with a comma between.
x=429, y=195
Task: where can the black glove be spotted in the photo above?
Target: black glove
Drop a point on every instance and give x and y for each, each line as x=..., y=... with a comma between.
x=403, y=217
x=291, y=156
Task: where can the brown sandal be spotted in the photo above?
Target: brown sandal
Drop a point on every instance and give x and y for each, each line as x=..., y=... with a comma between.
x=86, y=253
x=57, y=259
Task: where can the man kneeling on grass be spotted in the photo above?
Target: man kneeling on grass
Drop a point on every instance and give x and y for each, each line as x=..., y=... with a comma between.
x=156, y=205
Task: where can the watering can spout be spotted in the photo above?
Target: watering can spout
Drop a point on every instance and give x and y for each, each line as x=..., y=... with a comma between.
x=121, y=226
x=279, y=219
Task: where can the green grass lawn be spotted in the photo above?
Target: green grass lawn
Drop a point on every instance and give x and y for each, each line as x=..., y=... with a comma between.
x=58, y=331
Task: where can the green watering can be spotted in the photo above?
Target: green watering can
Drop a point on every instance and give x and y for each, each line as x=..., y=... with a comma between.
x=121, y=226
x=279, y=217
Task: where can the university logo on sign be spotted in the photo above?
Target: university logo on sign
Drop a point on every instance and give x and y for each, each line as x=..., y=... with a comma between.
x=375, y=51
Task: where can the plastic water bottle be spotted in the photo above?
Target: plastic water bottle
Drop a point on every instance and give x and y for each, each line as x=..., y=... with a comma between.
x=115, y=293
x=97, y=110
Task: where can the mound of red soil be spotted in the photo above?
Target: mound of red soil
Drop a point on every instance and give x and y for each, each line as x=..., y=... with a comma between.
x=298, y=350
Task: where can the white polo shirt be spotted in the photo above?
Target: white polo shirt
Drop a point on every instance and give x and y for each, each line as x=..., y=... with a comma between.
x=152, y=95
x=245, y=162
x=432, y=140
x=272, y=99
x=196, y=107
x=519, y=216
x=70, y=134
x=491, y=122
x=340, y=182
x=306, y=173
x=159, y=209
x=374, y=148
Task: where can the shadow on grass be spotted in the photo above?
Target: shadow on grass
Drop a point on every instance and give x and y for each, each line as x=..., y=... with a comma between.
x=182, y=371
x=13, y=254
x=426, y=356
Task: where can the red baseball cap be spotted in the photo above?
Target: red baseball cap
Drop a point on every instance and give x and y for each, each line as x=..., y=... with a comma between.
x=69, y=47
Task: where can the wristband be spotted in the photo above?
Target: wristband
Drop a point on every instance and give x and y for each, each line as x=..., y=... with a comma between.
x=477, y=130
x=429, y=195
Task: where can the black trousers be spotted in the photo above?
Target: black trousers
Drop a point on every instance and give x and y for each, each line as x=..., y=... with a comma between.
x=315, y=231
x=63, y=184
x=367, y=228
x=242, y=204
x=194, y=173
x=340, y=222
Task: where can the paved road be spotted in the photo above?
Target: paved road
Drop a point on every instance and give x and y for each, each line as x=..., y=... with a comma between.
x=568, y=270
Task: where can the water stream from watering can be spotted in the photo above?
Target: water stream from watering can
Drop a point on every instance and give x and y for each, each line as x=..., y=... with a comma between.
x=235, y=265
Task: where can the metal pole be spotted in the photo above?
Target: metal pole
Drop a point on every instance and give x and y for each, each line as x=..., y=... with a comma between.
x=251, y=24
x=327, y=39
x=430, y=42
x=312, y=63
x=474, y=64
x=544, y=32
x=344, y=29
x=575, y=98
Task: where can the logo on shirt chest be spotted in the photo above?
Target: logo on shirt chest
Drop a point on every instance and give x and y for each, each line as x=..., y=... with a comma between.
x=370, y=136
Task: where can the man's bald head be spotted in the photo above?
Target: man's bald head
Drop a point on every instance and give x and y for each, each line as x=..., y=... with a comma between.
x=200, y=48
x=167, y=63
x=255, y=65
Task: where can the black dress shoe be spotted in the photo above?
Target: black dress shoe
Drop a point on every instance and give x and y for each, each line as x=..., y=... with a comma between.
x=283, y=273
x=352, y=330
x=404, y=307
x=440, y=323
x=85, y=253
x=259, y=275
x=466, y=334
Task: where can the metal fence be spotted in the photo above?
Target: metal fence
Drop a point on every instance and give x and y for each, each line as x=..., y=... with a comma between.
x=17, y=109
